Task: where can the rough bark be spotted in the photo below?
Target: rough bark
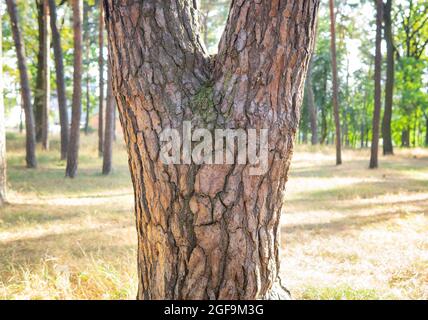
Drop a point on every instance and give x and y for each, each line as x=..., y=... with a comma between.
x=378, y=90
x=335, y=83
x=2, y=128
x=60, y=82
x=209, y=231
x=46, y=76
x=73, y=146
x=25, y=86
x=101, y=84
x=390, y=79
x=312, y=107
x=109, y=129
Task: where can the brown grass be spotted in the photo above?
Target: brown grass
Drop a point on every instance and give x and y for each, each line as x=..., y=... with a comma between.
x=347, y=233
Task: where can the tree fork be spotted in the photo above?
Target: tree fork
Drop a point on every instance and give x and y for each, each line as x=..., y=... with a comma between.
x=209, y=231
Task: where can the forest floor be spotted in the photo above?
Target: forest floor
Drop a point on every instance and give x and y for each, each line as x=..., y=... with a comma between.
x=347, y=233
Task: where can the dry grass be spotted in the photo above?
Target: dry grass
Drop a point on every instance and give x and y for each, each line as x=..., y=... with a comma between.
x=348, y=233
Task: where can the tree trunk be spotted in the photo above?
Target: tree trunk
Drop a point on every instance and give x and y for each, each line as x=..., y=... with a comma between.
x=46, y=76
x=209, y=231
x=73, y=147
x=426, y=131
x=25, y=86
x=335, y=83
x=378, y=90
x=405, y=138
x=109, y=130
x=101, y=69
x=39, y=88
x=2, y=128
x=60, y=82
x=390, y=79
x=87, y=63
x=312, y=106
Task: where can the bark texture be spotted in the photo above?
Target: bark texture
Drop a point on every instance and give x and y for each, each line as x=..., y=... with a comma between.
x=101, y=84
x=25, y=86
x=209, y=231
x=378, y=87
x=390, y=80
x=60, y=82
x=335, y=83
x=46, y=75
x=73, y=146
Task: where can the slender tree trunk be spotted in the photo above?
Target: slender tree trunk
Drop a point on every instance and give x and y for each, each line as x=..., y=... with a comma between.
x=39, y=88
x=25, y=86
x=405, y=138
x=46, y=75
x=101, y=69
x=73, y=147
x=209, y=231
x=109, y=130
x=87, y=63
x=3, y=176
x=60, y=82
x=378, y=89
x=426, y=131
x=312, y=106
x=335, y=83
x=390, y=80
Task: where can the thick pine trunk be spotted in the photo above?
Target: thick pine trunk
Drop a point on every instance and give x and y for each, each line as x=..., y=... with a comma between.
x=73, y=146
x=312, y=107
x=101, y=84
x=390, y=79
x=60, y=82
x=378, y=87
x=25, y=86
x=335, y=83
x=209, y=231
x=46, y=76
x=2, y=128
x=109, y=129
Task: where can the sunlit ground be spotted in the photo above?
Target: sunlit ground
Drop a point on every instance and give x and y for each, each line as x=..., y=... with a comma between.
x=347, y=233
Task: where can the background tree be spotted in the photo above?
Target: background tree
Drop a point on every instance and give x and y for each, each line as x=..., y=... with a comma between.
x=73, y=147
x=60, y=81
x=46, y=75
x=390, y=80
x=378, y=90
x=101, y=81
x=202, y=233
x=25, y=86
x=109, y=129
x=335, y=84
x=2, y=125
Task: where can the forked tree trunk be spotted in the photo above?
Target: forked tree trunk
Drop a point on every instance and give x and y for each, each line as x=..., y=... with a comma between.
x=73, y=146
x=2, y=128
x=312, y=107
x=335, y=83
x=209, y=231
x=378, y=89
x=390, y=80
x=101, y=84
x=46, y=76
x=25, y=86
x=60, y=82
x=109, y=129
